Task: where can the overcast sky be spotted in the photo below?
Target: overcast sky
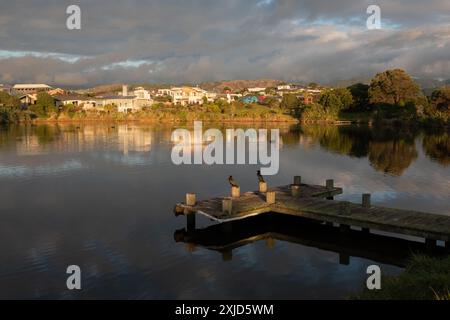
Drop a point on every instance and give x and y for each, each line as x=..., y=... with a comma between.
x=202, y=40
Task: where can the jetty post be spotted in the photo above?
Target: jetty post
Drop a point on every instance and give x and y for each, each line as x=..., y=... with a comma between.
x=263, y=187
x=271, y=197
x=235, y=192
x=297, y=181
x=330, y=186
x=191, y=200
x=227, y=255
x=295, y=189
x=430, y=243
x=366, y=200
x=227, y=206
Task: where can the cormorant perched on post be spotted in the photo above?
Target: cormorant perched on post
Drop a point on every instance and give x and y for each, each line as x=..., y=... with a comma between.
x=232, y=182
x=260, y=177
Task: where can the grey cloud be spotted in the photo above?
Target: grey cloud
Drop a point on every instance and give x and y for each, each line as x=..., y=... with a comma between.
x=202, y=40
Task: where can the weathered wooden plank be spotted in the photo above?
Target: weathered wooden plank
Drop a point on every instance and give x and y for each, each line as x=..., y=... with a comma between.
x=310, y=203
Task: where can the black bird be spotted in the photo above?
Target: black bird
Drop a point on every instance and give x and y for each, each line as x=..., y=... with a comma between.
x=232, y=182
x=260, y=177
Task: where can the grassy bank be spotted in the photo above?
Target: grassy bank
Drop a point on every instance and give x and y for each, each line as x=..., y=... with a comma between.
x=425, y=278
x=155, y=115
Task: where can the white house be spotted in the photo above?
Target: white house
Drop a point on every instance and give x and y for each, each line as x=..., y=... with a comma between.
x=284, y=87
x=128, y=103
x=256, y=89
x=31, y=88
x=188, y=95
x=141, y=93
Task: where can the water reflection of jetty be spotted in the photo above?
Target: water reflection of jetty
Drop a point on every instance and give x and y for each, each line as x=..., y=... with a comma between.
x=273, y=228
x=315, y=203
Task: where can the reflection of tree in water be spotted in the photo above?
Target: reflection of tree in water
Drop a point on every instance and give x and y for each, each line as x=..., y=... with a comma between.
x=46, y=134
x=437, y=147
x=390, y=150
x=392, y=157
x=348, y=140
x=291, y=137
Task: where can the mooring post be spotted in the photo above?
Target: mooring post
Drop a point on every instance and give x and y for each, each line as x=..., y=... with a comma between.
x=297, y=180
x=191, y=199
x=235, y=192
x=227, y=206
x=430, y=243
x=345, y=208
x=366, y=200
x=191, y=248
x=344, y=228
x=270, y=243
x=365, y=230
x=227, y=255
x=344, y=259
x=263, y=187
x=227, y=228
x=295, y=189
x=190, y=222
x=270, y=197
x=330, y=184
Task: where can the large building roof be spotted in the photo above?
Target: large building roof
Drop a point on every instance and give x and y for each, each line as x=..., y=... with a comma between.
x=31, y=86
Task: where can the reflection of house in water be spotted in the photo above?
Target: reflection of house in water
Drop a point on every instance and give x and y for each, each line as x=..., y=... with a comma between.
x=29, y=146
x=82, y=139
x=134, y=139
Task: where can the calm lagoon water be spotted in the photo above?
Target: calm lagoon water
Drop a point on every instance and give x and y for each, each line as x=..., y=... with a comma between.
x=102, y=197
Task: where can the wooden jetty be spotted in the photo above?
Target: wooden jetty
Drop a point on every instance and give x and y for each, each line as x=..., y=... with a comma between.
x=316, y=203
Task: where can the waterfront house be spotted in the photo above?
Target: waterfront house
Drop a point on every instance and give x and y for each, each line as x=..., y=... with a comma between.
x=250, y=99
x=28, y=99
x=257, y=90
x=188, y=95
x=127, y=103
x=77, y=100
x=57, y=91
x=30, y=88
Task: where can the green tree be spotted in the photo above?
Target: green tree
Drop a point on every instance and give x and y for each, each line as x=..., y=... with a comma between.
x=330, y=100
x=336, y=100
x=7, y=100
x=45, y=105
x=394, y=87
x=360, y=94
x=345, y=96
x=440, y=99
x=289, y=102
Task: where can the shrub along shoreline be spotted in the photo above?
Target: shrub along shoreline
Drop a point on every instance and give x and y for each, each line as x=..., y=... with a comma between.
x=425, y=278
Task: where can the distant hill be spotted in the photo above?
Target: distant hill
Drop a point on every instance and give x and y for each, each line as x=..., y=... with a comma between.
x=102, y=89
x=429, y=85
x=349, y=82
x=238, y=85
